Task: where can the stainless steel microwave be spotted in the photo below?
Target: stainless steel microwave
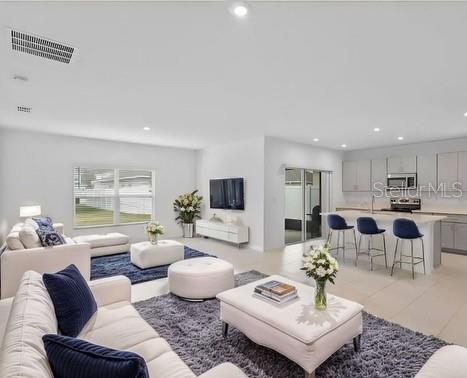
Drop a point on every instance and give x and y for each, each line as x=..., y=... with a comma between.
x=401, y=181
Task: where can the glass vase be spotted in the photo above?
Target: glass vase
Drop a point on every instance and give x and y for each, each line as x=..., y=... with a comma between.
x=152, y=238
x=320, y=295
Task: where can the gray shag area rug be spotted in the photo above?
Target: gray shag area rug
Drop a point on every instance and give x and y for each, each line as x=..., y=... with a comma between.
x=193, y=330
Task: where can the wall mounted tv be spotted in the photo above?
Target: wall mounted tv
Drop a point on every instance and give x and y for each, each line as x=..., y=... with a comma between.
x=226, y=194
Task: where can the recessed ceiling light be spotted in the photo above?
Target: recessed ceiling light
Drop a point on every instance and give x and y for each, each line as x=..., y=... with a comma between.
x=465, y=114
x=343, y=145
x=376, y=129
x=146, y=128
x=315, y=140
x=239, y=9
x=400, y=138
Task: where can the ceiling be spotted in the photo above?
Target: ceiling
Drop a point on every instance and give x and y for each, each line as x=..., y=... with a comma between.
x=197, y=76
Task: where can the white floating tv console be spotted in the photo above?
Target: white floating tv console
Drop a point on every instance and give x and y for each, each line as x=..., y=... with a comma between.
x=229, y=232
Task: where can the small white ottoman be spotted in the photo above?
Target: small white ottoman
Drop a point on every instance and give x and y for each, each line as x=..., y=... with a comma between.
x=146, y=255
x=200, y=278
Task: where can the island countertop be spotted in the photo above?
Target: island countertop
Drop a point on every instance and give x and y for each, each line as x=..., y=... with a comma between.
x=429, y=226
x=387, y=217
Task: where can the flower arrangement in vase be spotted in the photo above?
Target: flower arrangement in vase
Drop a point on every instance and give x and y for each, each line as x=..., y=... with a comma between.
x=187, y=206
x=154, y=229
x=322, y=267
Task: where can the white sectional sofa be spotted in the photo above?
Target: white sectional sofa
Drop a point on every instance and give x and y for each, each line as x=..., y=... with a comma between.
x=116, y=324
x=448, y=362
x=17, y=259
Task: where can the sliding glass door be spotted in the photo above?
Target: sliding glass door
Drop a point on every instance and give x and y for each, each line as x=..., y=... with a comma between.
x=304, y=202
x=294, y=200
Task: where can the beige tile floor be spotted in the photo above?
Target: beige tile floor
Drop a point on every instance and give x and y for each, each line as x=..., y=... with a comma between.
x=435, y=304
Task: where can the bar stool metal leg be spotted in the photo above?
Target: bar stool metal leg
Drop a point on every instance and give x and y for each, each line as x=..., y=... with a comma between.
x=358, y=248
x=328, y=241
x=423, y=255
x=411, y=253
x=343, y=246
x=395, y=253
x=355, y=239
x=384, y=249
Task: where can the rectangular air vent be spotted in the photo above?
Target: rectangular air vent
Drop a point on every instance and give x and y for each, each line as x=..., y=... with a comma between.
x=41, y=47
x=24, y=109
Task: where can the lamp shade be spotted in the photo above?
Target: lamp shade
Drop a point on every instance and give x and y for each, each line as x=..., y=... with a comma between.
x=29, y=211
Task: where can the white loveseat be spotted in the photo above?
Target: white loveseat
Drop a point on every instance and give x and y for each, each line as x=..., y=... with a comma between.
x=116, y=324
x=17, y=259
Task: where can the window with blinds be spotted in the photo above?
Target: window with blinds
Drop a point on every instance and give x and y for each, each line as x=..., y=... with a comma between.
x=112, y=196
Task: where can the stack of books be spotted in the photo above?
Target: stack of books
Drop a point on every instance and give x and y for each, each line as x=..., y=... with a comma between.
x=276, y=291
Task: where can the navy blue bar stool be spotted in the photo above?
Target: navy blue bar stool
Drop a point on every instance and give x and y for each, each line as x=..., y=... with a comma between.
x=406, y=229
x=367, y=227
x=338, y=224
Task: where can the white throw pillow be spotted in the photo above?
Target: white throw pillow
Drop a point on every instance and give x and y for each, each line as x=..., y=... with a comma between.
x=13, y=242
x=28, y=236
x=31, y=222
x=32, y=316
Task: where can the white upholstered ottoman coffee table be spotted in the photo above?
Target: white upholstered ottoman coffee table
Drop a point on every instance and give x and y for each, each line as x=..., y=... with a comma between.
x=294, y=329
x=200, y=278
x=147, y=255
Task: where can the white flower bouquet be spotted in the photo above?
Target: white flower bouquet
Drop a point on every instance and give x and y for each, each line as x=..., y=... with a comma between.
x=188, y=207
x=154, y=229
x=322, y=267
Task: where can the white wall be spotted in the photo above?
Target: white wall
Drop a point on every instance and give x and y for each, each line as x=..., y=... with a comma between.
x=38, y=169
x=279, y=154
x=450, y=145
x=3, y=221
x=239, y=159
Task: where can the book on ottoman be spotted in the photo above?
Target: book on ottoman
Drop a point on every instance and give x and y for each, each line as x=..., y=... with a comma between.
x=276, y=291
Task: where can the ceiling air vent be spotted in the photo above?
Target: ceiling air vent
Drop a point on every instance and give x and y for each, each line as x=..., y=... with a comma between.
x=41, y=47
x=24, y=109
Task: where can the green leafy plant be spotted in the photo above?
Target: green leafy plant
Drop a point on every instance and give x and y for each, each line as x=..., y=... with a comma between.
x=187, y=206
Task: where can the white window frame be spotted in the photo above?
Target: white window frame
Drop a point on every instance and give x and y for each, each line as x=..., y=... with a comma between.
x=116, y=197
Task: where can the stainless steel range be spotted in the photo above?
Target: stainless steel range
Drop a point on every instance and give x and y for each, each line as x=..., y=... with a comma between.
x=404, y=204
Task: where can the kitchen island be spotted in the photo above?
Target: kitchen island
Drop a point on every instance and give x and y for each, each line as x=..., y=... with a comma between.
x=429, y=226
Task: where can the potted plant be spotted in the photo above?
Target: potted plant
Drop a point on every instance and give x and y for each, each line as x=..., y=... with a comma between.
x=187, y=206
x=154, y=229
x=322, y=267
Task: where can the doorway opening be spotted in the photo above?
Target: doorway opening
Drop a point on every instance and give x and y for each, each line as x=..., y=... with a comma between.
x=306, y=193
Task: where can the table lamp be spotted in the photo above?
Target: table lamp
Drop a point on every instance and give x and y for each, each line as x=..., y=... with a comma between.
x=29, y=211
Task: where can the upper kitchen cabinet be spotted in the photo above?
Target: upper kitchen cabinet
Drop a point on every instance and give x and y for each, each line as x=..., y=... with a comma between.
x=356, y=176
x=448, y=169
x=402, y=164
x=426, y=171
x=462, y=170
x=378, y=174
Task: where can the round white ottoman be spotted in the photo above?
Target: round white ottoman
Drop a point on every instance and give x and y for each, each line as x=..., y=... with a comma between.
x=200, y=277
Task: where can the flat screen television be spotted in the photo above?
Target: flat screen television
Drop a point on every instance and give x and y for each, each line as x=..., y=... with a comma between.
x=226, y=194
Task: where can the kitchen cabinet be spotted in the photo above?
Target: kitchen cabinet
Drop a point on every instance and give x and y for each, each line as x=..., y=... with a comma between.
x=426, y=171
x=447, y=235
x=454, y=233
x=402, y=164
x=356, y=176
x=349, y=176
x=448, y=170
x=460, y=236
x=378, y=174
x=462, y=170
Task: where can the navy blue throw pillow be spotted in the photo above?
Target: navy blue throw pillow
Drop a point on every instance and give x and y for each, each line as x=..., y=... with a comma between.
x=50, y=238
x=75, y=358
x=72, y=298
x=44, y=223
